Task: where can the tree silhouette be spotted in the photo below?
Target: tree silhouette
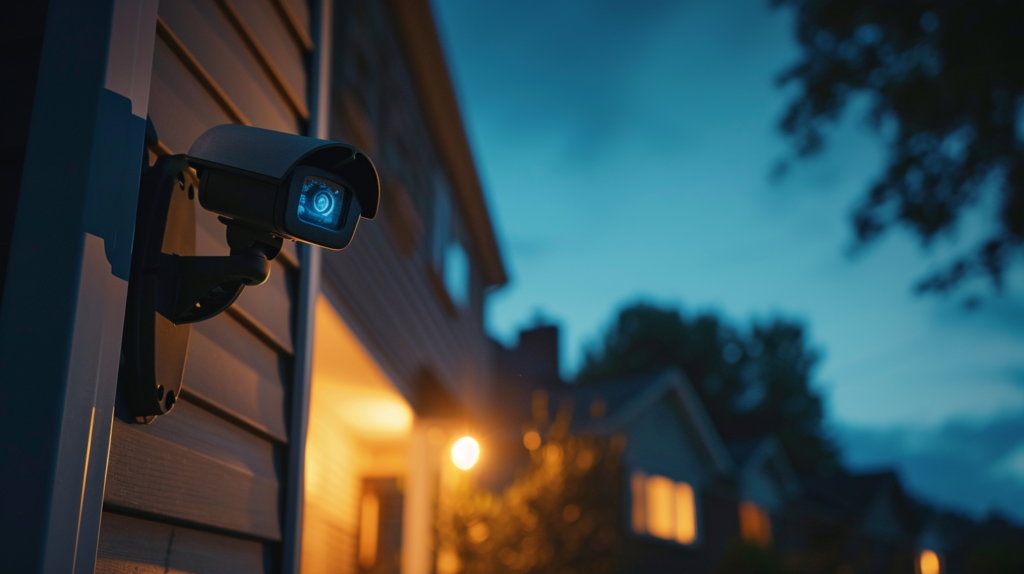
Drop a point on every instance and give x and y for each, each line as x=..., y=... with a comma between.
x=753, y=382
x=947, y=75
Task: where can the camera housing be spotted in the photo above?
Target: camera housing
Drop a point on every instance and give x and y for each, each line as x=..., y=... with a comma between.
x=290, y=186
x=267, y=187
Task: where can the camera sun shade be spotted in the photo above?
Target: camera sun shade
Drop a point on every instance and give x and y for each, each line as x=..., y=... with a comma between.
x=267, y=186
x=294, y=187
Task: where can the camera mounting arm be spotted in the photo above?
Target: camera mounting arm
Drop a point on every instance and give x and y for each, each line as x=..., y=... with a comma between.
x=266, y=186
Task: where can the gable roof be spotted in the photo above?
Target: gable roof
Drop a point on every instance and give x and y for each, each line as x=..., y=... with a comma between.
x=628, y=398
x=765, y=453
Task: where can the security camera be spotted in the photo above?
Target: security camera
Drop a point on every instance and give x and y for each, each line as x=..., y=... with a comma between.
x=267, y=187
x=289, y=186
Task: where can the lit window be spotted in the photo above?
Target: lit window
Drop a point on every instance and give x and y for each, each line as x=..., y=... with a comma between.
x=369, y=525
x=663, y=508
x=755, y=524
x=686, y=514
x=928, y=562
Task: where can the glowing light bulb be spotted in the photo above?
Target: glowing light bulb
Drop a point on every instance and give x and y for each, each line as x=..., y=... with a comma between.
x=465, y=453
x=929, y=562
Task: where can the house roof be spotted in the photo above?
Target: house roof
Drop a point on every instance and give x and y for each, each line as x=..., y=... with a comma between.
x=625, y=399
x=425, y=56
x=765, y=453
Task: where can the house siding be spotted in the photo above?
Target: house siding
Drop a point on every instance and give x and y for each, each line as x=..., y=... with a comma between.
x=388, y=290
x=201, y=489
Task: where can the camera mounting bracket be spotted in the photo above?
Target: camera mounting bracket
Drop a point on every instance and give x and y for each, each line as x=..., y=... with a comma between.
x=170, y=287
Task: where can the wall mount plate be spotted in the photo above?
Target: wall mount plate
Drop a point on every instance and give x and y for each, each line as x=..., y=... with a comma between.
x=153, y=347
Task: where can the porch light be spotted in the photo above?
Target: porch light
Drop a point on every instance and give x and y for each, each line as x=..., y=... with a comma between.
x=465, y=453
x=928, y=562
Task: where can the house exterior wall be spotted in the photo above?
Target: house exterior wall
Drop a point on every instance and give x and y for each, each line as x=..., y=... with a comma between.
x=388, y=285
x=760, y=487
x=209, y=474
x=388, y=288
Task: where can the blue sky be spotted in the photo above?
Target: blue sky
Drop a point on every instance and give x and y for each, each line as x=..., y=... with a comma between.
x=625, y=148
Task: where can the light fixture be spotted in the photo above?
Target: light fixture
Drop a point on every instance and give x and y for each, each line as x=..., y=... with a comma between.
x=465, y=453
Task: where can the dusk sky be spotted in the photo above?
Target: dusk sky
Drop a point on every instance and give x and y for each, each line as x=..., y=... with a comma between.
x=626, y=151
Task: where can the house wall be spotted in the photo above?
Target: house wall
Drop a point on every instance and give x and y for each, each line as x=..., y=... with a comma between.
x=359, y=428
x=757, y=485
x=659, y=442
x=387, y=284
x=387, y=290
x=201, y=489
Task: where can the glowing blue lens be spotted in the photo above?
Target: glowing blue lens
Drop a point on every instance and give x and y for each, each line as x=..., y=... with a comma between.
x=321, y=203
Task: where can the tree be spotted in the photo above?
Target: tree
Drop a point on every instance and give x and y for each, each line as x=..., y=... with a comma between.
x=947, y=75
x=561, y=516
x=752, y=382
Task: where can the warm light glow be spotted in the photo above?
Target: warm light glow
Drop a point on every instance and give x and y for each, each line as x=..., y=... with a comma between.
x=686, y=514
x=377, y=414
x=369, y=526
x=661, y=519
x=636, y=483
x=928, y=561
x=448, y=561
x=532, y=440
x=359, y=425
x=755, y=524
x=664, y=508
x=465, y=453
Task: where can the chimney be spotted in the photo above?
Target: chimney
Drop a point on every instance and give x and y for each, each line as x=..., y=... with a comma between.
x=538, y=347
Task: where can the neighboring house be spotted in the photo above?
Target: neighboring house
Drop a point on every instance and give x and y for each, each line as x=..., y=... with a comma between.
x=315, y=413
x=680, y=499
x=768, y=489
x=865, y=522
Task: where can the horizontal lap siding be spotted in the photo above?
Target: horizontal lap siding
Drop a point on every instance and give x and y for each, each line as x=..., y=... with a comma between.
x=201, y=489
x=386, y=290
x=331, y=515
x=134, y=546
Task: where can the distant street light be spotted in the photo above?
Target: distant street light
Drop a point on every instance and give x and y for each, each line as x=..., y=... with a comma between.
x=465, y=453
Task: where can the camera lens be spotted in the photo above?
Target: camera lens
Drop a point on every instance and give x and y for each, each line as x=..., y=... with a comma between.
x=323, y=202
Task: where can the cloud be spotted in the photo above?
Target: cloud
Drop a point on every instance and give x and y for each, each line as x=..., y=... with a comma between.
x=976, y=467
